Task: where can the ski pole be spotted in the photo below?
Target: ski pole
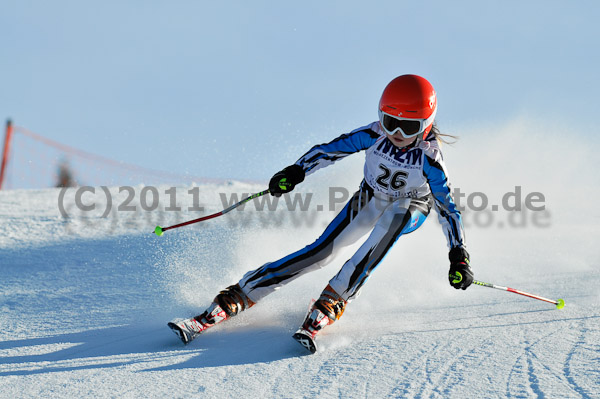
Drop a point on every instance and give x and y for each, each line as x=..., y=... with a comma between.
x=559, y=304
x=160, y=230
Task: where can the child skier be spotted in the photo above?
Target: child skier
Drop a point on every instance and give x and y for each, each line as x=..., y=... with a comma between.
x=404, y=176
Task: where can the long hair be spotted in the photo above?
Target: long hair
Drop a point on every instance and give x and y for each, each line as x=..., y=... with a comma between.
x=442, y=137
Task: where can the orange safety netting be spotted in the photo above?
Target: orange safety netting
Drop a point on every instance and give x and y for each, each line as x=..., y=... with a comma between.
x=35, y=161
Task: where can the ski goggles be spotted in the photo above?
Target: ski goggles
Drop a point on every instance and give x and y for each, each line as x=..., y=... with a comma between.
x=408, y=127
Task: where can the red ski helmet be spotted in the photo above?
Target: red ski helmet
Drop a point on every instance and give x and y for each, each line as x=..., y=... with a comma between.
x=408, y=105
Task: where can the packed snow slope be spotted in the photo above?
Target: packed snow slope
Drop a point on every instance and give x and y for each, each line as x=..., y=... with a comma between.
x=85, y=297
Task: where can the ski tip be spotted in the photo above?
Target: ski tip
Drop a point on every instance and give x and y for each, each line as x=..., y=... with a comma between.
x=158, y=231
x=306, y=341
x=177, y=330
x=560, y=304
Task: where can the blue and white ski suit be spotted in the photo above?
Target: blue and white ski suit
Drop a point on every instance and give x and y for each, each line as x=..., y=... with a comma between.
x=399, y=188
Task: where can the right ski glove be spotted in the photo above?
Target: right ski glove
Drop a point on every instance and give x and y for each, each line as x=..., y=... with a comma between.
x=460, y=275
x=285, y=181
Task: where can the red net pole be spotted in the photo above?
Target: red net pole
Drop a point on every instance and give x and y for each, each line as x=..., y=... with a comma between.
x=7, y=137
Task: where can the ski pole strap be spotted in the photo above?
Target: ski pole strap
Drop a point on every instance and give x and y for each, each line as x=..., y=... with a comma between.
x=481, y=283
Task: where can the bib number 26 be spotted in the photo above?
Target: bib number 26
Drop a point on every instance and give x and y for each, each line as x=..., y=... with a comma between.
x=387, y=180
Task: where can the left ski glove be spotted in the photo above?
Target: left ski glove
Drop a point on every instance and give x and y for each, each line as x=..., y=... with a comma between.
x=460, y=275
x=285, y=181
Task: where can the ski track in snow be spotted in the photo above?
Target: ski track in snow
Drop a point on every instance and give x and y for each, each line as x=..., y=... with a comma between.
x=85, y=316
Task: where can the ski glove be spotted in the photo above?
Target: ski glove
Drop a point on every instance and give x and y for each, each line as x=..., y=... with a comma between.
x=285, y=181
x=461, y=275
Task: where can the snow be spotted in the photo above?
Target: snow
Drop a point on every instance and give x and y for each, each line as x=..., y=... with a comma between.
x=85, y=300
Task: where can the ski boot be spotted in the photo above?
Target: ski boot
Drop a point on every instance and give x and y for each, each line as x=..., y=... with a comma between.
x=326, y=310
x=226, y=304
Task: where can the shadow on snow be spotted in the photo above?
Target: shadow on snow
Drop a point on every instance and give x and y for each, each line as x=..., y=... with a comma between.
x=148, y=349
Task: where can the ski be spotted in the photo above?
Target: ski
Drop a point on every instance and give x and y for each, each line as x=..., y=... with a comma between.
x=305, y=339
x=188, y=329
x=183, y=333
x=314, y=322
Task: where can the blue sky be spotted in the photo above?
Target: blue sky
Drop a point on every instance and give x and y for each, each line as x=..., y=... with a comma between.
x=241, y=89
